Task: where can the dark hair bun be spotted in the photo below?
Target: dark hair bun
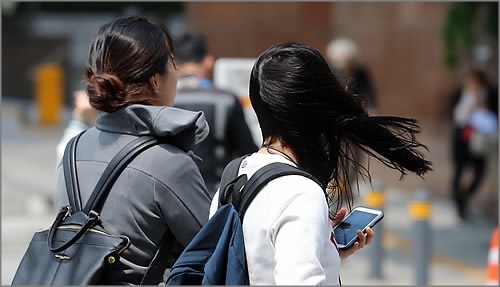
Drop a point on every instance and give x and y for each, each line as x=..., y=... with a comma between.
x=106, y=92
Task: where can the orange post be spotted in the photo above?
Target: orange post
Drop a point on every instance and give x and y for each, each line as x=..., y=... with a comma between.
x=245, y=102
x=376, y=197
x=49, y=92
x=493, y=260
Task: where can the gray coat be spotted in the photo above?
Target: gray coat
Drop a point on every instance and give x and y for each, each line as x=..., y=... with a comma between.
x=161, y=189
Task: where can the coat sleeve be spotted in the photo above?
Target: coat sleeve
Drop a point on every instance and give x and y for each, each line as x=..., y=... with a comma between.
x=183, y=199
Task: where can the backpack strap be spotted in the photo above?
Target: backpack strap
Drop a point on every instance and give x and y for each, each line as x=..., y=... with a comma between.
x=262, y=177
x=229, y=178
x=70, y=175
x=114, y=169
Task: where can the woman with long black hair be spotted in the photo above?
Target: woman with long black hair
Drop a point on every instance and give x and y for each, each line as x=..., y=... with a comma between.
x=309, y=121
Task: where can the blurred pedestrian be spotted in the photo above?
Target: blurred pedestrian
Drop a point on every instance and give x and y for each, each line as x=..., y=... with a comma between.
x=160, y=199
x=83, y=117
x=229, y=136
x=474, y=136
x=343, y=56
x=307, y=118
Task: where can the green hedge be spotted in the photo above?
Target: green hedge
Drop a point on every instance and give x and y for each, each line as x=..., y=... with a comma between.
x=458, y=34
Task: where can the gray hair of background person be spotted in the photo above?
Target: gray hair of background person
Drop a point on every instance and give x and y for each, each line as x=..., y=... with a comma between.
x=341, y=52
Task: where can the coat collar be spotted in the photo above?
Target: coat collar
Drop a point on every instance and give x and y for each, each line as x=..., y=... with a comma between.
x=184, y=129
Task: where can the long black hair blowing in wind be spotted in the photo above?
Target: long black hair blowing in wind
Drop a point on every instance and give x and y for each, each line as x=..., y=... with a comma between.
x=299, y=101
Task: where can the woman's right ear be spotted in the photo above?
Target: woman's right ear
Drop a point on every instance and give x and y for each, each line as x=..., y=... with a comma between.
x=154, y=82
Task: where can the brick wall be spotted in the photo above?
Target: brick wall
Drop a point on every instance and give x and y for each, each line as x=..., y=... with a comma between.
x=243, y=29
x=399, y=42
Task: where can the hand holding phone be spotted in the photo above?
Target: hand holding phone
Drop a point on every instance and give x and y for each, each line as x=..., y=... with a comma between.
x=359, y=219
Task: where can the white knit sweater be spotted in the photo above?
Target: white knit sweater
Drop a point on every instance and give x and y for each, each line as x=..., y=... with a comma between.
x=287, y=231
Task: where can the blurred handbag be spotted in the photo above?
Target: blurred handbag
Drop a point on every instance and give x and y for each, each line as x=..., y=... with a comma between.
x=484, y=136
x=77, y=250
x=482, y=144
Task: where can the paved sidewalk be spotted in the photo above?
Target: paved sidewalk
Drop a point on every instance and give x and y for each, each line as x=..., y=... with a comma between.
x=459, y=250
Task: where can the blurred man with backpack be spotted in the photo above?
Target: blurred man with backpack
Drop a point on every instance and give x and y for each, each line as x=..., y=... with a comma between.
x=230, y=135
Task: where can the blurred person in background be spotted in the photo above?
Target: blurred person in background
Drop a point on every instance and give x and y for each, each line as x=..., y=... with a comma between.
x=474, y=136
x=229, y=136
x=160, y=200
x=343, y=56
x=83, y=117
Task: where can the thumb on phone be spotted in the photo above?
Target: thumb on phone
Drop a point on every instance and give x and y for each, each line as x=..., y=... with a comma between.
x=339, y=216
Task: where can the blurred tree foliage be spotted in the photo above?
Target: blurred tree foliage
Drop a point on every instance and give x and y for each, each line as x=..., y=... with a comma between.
x=458, y=29
x=98, y=7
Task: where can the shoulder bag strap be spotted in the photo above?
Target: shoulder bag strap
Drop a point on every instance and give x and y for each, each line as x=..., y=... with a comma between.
x=70, y=175
x=114, y=169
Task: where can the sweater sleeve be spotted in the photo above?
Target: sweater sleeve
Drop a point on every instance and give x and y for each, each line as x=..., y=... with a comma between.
x=299, y=236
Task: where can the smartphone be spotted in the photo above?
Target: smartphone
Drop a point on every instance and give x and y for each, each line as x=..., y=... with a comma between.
x=359, y=218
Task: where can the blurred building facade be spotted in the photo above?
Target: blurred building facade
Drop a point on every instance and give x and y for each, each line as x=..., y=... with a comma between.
x=401, y=42
x=35, y=33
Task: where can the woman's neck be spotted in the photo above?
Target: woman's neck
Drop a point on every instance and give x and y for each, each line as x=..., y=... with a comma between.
x=277, y=147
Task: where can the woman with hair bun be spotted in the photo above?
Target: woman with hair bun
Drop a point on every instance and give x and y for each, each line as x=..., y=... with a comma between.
x=160, y=199
x=309, y=121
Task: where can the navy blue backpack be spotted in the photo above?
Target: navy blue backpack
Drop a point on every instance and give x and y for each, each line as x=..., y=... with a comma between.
x=216, y=255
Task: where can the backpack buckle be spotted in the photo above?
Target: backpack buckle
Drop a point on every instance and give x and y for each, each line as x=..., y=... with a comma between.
x=234, y=191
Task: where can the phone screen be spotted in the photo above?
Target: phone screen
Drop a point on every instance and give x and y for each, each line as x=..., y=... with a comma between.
x=345, y=232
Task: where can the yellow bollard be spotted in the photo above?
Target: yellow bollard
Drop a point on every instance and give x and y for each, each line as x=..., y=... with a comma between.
x=245, y=102
x=49, y=92
x=420, y=210
x=375, y=199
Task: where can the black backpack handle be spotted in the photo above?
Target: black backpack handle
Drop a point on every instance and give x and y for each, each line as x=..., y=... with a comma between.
x=91, y=221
